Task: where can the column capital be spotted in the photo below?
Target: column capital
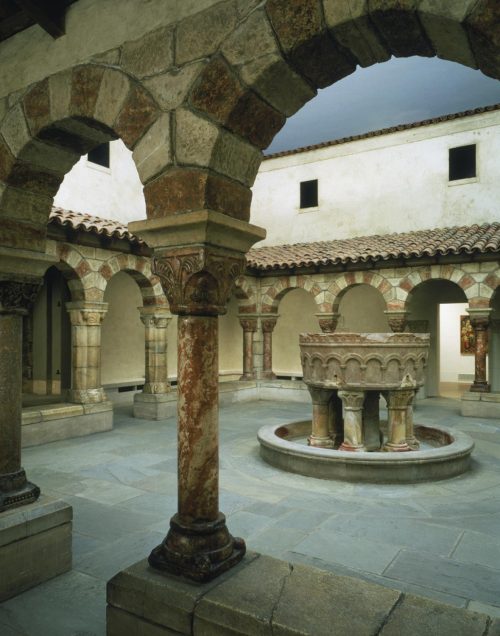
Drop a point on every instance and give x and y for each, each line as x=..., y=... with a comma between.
x=268, y=322
x=352, y=400
x=18, y=296
x=248, y=322
x=479, y=316
x=328, y=321
x=397, y=319
x=155, y=316
x=87, y=313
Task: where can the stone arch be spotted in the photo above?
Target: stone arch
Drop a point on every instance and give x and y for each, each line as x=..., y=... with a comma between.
x=246, y=295
x=273, y=296
x=139, y=268
x=55, y=122
x=268, y=61
x=341, y=285
x=75, y=267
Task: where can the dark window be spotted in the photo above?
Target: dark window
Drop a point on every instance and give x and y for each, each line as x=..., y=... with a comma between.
x=462, y=162
x=100, y=155
x=309, y=193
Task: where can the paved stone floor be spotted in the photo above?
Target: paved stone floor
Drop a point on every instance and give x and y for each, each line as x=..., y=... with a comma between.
x=440, y=540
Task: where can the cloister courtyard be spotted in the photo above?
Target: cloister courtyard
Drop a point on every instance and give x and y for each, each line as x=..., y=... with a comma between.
x=439, y=540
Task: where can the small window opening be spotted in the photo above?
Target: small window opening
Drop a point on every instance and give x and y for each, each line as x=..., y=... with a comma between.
x=462, y=162
x=100, y=155
x=309, y=193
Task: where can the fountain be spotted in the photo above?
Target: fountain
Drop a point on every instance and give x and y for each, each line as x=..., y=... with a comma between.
x=346, y=373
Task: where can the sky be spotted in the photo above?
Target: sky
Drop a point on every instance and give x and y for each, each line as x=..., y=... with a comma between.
x=400, y=91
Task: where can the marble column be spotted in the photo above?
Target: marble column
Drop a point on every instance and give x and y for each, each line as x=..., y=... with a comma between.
x=249, y=326
x=86, y=318
x=353, y=420
x=398, y=401
x=480, y=319
x=336, y=422
x=328, y=321
x=411, y=440
x=371, y=421
x=155, y=320
x=320, y=432
x=197, y=279
x=16, y=299
x=397, y=320
x=268, y=324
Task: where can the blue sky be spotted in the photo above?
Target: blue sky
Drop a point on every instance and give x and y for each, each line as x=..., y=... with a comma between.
x=396, y=92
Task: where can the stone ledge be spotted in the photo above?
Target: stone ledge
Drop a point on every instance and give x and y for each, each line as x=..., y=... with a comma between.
x=266, y=596
x=480, y=404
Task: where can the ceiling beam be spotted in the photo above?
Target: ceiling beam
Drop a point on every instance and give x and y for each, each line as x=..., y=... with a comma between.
x=50, y=19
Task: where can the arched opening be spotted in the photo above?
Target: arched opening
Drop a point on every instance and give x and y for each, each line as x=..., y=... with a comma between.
x=230, y=342
x=296, y=310
x=361, y=310
x=435, y=307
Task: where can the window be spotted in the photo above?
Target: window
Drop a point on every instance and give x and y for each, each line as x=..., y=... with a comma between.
x=100, y=155
x=462, y=162
x=309, y=193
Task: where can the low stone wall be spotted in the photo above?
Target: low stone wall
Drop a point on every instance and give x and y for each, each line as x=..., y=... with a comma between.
x=265, y=596
x=53, y=422
x=480, y=405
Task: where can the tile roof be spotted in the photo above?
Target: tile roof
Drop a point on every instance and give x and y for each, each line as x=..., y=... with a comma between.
x=473, y=239
x=91, y=224
x=386, y=131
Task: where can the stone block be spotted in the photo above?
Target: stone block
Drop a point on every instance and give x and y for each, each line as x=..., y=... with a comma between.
x=152, y=153
x=120, y=623
x=475, y=404
x=35, y=545
x=139, y=112
x=426, y=617
x=37, y=107
x=85, y=84
x=195, y=138
x=482, y=29
x=152, y=54
x=155, y=406
x=170, y=89
x=201, y=34
x=111, y=57
x=235, y=158
x=112, y=94
x=15, y=130
x=253, y=38
x=60, y=94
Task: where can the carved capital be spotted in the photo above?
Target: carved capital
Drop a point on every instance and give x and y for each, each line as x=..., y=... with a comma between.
x=248, y=324
x=328, y=322
x=397, y=320
x=198, y=280
x=479, y=318
x=18, y=297
x=268, y=323
x=400, y=399
x=352, y=400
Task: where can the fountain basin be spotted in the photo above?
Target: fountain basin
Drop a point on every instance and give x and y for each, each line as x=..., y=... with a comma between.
x=448, y=456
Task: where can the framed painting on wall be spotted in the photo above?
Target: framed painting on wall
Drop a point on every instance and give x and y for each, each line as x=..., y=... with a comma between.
x=467, y=337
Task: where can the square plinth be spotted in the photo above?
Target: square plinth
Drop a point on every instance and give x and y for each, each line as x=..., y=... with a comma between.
x=35, y=544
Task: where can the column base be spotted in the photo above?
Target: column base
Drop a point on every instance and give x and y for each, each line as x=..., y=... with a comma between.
x=413, y=443
x=345, y=446
x=155, y=406
x=480, y=387
x=199, y=551
x=247, y=376
x=320, y=442
x=87, y=396
x=391, y=447
x=156, y=388
x=16, y=491
x=268, y=375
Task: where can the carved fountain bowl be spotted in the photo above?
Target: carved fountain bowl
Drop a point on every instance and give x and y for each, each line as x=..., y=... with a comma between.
x=368, y=361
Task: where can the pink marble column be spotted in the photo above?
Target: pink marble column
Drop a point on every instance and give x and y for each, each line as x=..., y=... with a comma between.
x=249, y=326
x=480, y=320
x=16, y=298
x=155, y=320
x=268, y=324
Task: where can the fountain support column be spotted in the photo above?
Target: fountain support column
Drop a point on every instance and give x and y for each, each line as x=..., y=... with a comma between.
x=320, y=431
x=197, y=257
x=249, y=326
x=336, y=422
x=398, y=402
x=268, y=324
x=480, y=319
x=353, y=420
x=371, y=421
x=411, y=440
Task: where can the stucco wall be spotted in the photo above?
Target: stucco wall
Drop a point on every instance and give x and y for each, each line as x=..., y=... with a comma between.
x=122, y=336
x=390, y=183
x=230, y=341
x=362, y=310
x=111, y=193
x=296, y=311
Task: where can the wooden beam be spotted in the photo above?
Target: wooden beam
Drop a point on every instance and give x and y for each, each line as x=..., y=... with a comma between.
x=50, y=19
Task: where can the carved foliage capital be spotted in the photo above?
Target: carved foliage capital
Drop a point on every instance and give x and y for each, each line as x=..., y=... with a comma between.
x=198, y=280
x=248, y=324
x=18, y=296
x=352, y=400
x=269, y=323
x=328, y=322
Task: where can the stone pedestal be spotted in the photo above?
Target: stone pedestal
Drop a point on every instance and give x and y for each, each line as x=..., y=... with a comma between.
x=268, y=324
x=249, y=326
x=35, y=545
x=479, y=319
x=86, y=318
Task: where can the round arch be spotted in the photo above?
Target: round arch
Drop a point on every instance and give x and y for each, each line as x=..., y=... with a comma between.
x=273, y=296
x=139, y=268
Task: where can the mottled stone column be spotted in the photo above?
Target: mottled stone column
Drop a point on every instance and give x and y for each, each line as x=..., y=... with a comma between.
x=86, y=318
x=268, y=324
x=28, y=352
x=197, y=280
x=371, y=421
x=411, y=440
x=249, y=326
x=16, y=298
x=155, y=320
x=336, y=422
x=353, y=420
x=320, y=431
x=397, y=320
x=398, y=402
x=328, y=321
x=480, y=319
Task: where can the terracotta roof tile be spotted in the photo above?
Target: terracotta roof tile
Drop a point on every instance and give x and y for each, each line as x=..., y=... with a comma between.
x=91, y=224
x=472, y=239
x=386, y=131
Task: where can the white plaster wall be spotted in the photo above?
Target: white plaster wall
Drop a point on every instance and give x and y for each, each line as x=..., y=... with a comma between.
x=296, y=315
x=111, y=193
x=391, y=183
x=172, y=348
x=452, y=362
x=92, y=27
x=123, y=334
x=362, y=310
x=230, y=341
